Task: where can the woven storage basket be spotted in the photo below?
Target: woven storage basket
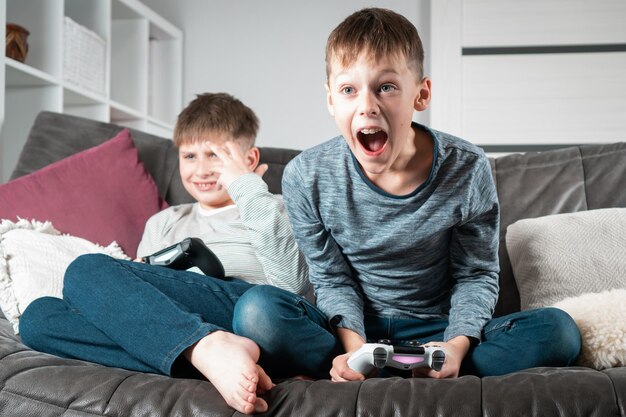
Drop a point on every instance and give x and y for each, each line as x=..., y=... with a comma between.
x=84, y=57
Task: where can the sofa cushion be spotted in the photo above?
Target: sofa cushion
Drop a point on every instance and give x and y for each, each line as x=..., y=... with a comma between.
x=33, y=260
x=276, y=159
x=102, y=194
x=565, y=180
x=566, y=255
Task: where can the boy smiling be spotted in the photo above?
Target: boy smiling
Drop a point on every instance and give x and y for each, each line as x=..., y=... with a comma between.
x=153, y=319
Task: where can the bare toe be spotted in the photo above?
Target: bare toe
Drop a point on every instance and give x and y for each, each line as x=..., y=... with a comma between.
x=229, y=363
x=265, y=382
x=260, y=406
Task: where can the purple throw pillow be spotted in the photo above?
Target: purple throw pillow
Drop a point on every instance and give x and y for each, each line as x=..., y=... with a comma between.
x=102, y=194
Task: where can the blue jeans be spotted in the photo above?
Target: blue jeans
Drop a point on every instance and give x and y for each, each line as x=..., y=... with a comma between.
x=541, y=337
x=142, y=317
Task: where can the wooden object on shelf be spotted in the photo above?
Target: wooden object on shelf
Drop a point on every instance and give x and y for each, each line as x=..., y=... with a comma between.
x=16, y=42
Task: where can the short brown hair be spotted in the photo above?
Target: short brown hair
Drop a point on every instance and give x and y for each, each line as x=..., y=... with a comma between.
x=380, y=32
x=217, y=113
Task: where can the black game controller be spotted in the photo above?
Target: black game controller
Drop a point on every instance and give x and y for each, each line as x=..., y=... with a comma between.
x=186, y=254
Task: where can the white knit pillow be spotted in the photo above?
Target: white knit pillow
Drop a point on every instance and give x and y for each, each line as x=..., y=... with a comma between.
x=566, y=255
x=33, y=260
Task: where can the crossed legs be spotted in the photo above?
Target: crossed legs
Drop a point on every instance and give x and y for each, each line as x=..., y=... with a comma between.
x=141, y=317
x=294, y=335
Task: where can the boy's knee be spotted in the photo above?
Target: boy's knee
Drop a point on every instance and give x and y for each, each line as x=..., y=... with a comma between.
x=566, y=340
x=81, y=270
x=259, y=310
x=252, y=308
x=32, y=324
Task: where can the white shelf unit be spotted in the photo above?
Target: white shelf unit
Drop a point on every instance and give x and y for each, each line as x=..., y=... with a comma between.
x=142, y=74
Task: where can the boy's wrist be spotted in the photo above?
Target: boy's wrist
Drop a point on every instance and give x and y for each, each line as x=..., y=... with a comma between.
x=472, y=333
x=349, y=339
x=245, y=185
x=463, y=343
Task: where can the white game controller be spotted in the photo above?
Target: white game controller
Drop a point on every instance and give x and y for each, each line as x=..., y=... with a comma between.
x=379, y=355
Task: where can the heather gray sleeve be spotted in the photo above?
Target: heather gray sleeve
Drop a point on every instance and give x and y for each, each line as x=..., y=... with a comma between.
x=270, y=233
x=337, y=293
x=474, y=259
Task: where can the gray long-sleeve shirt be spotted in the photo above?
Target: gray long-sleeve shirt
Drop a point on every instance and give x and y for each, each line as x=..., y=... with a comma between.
x=429, y=254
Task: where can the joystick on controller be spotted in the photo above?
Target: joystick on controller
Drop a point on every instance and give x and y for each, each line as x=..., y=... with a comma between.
x=187, y=254
x=380, y=355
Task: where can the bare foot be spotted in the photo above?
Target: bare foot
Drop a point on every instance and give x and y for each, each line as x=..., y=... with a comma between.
x=230, y=363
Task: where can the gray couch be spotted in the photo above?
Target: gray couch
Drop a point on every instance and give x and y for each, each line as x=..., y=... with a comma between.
x=529, y=185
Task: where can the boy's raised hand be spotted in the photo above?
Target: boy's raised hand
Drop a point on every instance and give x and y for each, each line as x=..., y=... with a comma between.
x=234, y=163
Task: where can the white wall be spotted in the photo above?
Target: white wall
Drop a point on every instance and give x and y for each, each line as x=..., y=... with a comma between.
x=270, y=54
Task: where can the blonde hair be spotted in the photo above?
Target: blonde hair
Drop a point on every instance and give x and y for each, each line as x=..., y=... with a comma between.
x=216, y=113
x=379, y=32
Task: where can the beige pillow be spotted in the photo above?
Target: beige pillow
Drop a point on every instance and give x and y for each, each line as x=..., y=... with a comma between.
x=566, y=255
x=33, y=259
x=601, y=319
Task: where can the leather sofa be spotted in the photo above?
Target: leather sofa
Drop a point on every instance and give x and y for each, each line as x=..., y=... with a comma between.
x=529, y=185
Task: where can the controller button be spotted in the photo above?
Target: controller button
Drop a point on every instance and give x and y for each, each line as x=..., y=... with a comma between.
x=380, y=357
x=438, y=358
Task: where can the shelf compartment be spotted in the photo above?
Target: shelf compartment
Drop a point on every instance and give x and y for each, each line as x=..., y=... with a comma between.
x=22, y=75
x=74, y=95
x=165, y=92
x=84, y=103
x=129, y=63
x=95, y=15
x=120, y=112
x=45, y=27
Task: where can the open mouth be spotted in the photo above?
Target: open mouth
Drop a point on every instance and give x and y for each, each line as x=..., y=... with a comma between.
x=373, y=140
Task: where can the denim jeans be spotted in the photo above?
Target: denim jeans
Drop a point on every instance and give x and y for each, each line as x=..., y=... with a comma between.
x=142, y=317
x=294, y=336
x=526, y=339
x=129, y=314
x=541, y=337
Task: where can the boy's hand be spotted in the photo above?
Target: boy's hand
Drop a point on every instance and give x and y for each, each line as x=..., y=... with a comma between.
x=341, y=372
x=234, y=163
x=351, y=342
x=455, y=349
